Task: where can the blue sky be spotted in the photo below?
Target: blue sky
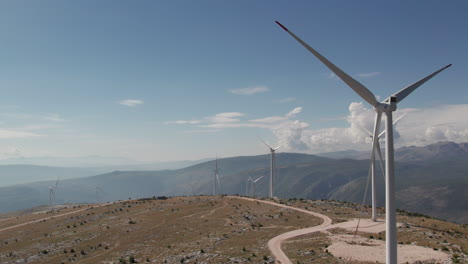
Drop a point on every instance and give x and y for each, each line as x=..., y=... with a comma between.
x=208, y=77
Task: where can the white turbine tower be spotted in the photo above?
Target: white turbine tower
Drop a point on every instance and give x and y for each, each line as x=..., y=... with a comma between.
x=253, y=185
x=52, y=192
x=375, y=147
x=388, y=106
x=51, y=195
x=97, y=193
x=216, y=185
x=272, y=167
x=247, y=186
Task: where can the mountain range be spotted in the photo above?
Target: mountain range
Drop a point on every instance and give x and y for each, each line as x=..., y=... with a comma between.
x=430, y=180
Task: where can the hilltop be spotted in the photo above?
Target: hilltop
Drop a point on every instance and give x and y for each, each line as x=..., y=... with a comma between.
x=202, y=229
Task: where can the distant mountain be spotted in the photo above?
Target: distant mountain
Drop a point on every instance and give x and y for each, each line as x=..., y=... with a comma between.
x=18, y=174
x=100, y=164
x=437, y=151
x=435, y=187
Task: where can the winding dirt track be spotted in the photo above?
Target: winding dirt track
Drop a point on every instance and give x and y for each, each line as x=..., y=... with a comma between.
x=275, y=243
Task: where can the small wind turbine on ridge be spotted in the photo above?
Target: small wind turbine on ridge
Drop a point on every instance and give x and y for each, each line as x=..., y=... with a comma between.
x=216, y=185
x=388, y=106
x=253, y=185
x=272, y=167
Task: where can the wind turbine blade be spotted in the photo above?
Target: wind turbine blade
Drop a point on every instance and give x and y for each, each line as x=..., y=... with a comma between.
x=258, y=179
x=365, y=130
x=379, y=152
x=275, y=149
x=354, y=84
x=56, y=182
x=398, y=119
x=394, y=122
x=400, y=95
x=265, y=143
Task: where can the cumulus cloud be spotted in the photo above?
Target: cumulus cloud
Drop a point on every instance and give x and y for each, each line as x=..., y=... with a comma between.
x=368, y=74
x=131, y=102
x=284, y=100
x=250, y=90
x=419, y=127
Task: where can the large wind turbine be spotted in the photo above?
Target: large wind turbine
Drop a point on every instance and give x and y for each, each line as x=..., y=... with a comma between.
x=388, y=106
x=376, y=146
x=253, y=185
x=272, y=166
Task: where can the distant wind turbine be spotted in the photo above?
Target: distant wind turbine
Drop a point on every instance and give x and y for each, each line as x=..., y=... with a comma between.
x=98, y=189
x=216, y=185
x=253, y=185
x=388, y=106
x=52, y=192
x=375, y=147
x=247, y=186
x=272, y=167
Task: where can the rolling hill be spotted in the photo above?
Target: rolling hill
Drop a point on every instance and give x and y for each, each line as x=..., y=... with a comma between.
x=435, y=188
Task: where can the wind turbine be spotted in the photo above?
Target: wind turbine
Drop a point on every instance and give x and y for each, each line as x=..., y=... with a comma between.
x=216, y=185
x=376, y=146
x=253, y=185
x=272, y=166
x=247, y=186
x=52, y=190
x=388, y=106
x=97, y=193
x=51, y=195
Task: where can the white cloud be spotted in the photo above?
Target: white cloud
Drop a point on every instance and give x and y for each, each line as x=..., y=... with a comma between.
x=183, y=122
x=368, y=74
x=131, y=102
x=228, y=117
x=5, y=133
x=284, y=100
x=419, y=127
x=54, y=118
x=250, y=90
x=294, y=112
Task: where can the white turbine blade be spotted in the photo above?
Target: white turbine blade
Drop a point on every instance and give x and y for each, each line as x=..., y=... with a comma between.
x=380, y=158
x=275, y=149
x=265, y=144
x=394, y=122
x=400, y=95
x=258, y=179
x=398, y=119
x=365, y=130
x=355, y=85
x=56, y=183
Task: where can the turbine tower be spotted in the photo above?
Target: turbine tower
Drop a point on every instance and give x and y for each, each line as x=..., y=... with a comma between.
x=376, y=147
x=247, y=186
x=388, y=106
x=272, y=167
x=51, y=195
x=216, y=184
x=253, y=185
x=52, y=192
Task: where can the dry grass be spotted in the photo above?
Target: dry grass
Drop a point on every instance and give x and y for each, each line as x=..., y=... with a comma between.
x=177, y=230
x=203, y=229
